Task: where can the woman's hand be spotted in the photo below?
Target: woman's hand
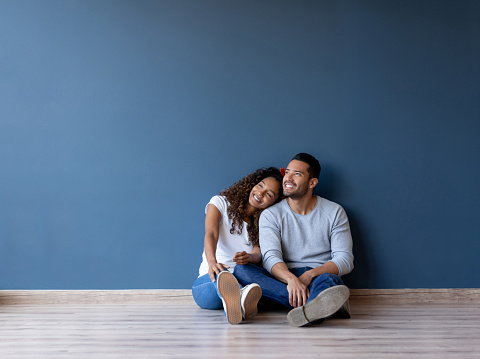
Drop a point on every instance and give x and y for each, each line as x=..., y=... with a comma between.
x=216, y=268
x=241, y=258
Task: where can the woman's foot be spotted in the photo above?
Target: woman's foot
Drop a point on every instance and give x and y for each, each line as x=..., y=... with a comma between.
x=249, y=297
x=230, y=293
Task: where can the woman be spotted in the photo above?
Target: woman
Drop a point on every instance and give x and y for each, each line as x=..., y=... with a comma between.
x=231, y=237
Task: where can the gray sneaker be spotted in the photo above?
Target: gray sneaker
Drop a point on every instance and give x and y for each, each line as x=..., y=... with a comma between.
x=324, y=305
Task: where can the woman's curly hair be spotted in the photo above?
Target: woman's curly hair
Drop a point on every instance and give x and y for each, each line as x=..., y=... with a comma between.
x=237, y=197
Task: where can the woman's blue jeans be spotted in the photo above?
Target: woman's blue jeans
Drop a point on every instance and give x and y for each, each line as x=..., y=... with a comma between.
x=205, y=293
x=275, y=291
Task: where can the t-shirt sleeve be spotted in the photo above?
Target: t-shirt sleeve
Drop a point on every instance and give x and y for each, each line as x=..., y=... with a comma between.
x=270, y=240
x=219, y=202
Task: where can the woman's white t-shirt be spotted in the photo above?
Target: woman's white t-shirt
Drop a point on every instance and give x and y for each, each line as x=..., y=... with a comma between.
x=228, y=244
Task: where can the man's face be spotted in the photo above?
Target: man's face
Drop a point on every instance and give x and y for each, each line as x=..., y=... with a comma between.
x=296, y=182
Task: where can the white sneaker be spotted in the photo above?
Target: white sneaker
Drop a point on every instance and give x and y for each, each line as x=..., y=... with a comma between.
x=230, y=293
x=249, y=297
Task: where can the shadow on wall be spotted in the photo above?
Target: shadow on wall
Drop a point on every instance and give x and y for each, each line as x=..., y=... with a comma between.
x=332, y=187
x=361, y=276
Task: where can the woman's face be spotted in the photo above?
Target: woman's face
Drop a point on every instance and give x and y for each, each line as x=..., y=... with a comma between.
x=265, y=193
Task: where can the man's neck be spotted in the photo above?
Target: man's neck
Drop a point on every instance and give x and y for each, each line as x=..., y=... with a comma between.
x=303, y=205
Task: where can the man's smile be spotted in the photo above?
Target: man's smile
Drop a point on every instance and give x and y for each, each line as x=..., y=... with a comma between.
x=289, y=185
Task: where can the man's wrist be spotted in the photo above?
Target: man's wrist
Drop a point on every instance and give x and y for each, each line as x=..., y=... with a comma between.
x=290, y=279
x=311, y=274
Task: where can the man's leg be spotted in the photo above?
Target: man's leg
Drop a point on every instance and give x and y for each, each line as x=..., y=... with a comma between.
x=322, y=282
x=272, y=289
x=326, y=281
x=327, y=296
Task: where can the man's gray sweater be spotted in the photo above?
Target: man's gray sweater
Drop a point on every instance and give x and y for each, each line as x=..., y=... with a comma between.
x=308, y=240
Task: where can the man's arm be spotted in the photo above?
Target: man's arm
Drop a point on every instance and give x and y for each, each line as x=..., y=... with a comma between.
x=307, y=277
x=270, y=240
x=297, y=291
x=341, y=243
x=271, y=246
x=341, y=248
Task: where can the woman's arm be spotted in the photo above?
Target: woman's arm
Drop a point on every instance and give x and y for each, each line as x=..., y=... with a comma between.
x=212, y=223
x=254, y=257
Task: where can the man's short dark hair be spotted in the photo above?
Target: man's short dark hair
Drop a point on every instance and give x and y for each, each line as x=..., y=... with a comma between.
x=313, y=164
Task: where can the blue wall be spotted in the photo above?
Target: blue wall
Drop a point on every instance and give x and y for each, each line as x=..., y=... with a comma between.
x=120, y=119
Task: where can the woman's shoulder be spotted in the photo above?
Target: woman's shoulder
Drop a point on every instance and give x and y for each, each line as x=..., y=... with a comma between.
x=219, y=201
x=219, y=198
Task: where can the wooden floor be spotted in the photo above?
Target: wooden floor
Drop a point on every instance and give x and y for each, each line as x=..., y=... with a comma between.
x=179, y=329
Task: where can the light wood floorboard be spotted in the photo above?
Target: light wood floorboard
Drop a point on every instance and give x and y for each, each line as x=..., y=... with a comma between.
x=182, y=330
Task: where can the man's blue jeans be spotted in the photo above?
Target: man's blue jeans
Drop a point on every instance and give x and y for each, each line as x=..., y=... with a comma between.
x=205, y=293
x=275, y=291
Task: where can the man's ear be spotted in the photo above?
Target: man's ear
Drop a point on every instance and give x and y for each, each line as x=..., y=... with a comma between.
x=313, y=182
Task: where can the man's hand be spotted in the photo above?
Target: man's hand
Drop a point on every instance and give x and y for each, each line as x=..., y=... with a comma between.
x=216, y=268
x=241, y=258
x=307, y=277
x=297, y=292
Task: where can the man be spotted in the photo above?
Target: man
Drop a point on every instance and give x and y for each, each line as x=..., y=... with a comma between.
x=306, y=246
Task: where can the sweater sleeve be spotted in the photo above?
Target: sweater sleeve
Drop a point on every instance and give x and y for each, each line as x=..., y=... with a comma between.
x=270, y=239
x=341, y=243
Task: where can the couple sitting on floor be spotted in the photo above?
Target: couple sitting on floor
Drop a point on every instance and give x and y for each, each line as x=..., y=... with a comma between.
x=291, y=252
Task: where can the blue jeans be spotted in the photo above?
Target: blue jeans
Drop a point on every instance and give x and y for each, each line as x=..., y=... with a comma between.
x=275, y=291
x=205, y=293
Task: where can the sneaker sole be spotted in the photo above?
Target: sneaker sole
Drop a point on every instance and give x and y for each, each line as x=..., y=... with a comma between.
x=327, y=303
x=251, y=301
x=230, y=292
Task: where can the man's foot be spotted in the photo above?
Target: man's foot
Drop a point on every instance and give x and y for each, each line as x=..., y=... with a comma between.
x=344, y=311
x=324, y=305
x=230, y=292
x=249, y=297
